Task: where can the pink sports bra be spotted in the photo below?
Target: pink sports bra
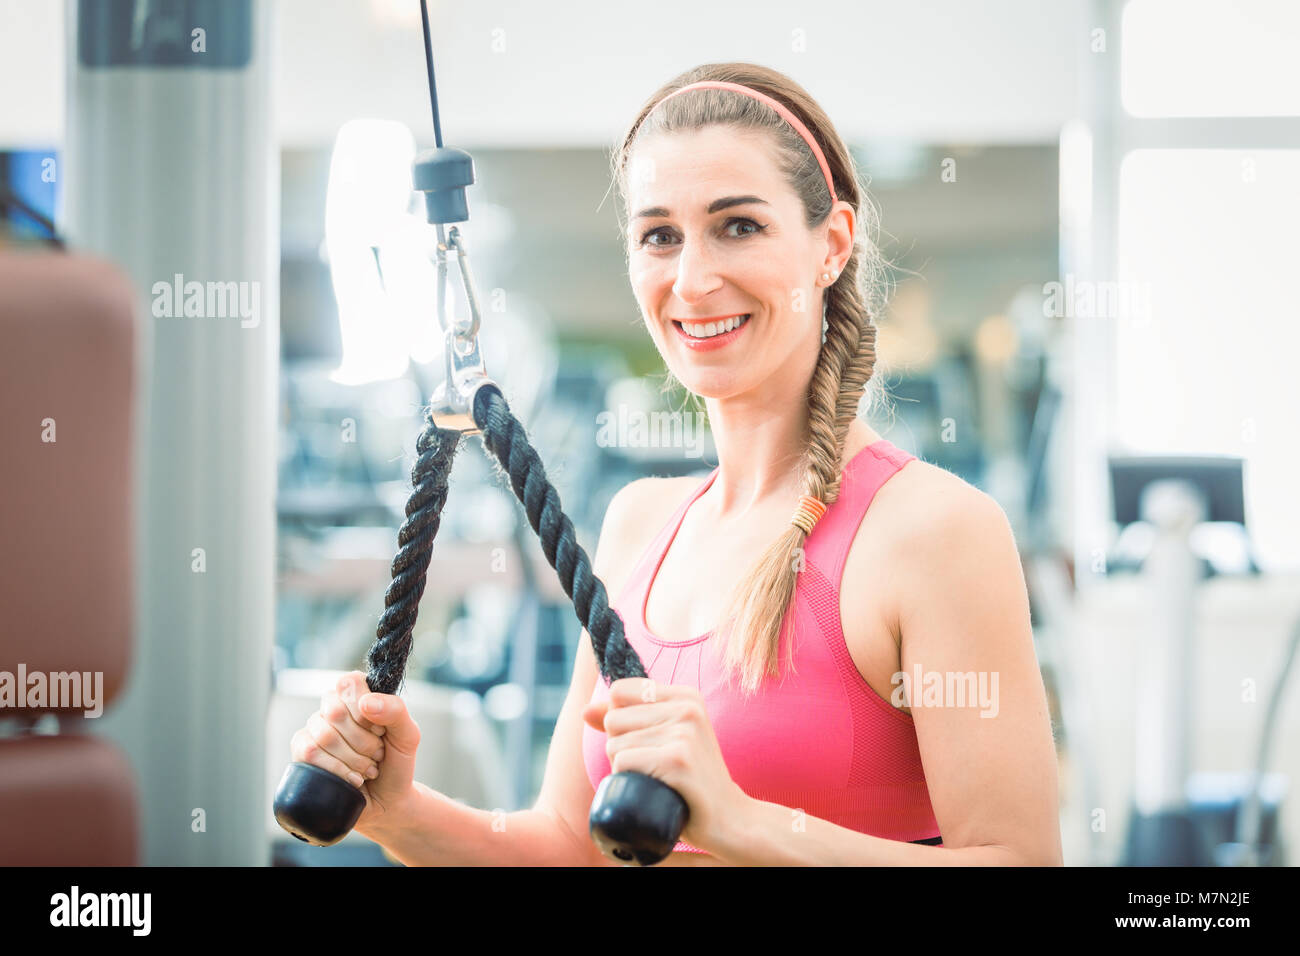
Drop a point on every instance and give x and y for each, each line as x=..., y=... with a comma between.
x=819, y=740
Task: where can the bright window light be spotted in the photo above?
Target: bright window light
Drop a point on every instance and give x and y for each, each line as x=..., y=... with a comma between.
x=1211, y=58
x=1075, y=190
x=384, y=283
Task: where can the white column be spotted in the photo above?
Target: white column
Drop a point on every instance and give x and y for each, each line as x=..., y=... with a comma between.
x=1163, y=715
x=172, y=170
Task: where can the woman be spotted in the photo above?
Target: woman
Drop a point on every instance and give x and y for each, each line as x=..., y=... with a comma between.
x=835, y=707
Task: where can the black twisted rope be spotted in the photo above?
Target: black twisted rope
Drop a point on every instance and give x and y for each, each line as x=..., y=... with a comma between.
x=386, y=660
x=504, y=436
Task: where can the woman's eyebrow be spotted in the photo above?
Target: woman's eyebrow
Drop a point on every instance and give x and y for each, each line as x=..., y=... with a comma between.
x=660, y=212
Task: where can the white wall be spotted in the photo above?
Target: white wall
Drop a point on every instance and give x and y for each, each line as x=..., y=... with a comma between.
x=571, y=73
x=31, y=73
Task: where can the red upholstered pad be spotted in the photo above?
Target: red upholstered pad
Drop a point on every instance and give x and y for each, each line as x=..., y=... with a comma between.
x=67, y=354
x=66, y=801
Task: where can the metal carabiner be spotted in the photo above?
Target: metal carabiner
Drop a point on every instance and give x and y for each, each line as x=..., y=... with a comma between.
x=453, y=400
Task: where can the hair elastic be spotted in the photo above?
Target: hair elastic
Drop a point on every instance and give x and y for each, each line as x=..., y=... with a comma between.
x=781, y=108
x=808, y=513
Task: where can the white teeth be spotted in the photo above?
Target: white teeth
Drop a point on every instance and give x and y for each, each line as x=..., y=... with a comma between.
x=711, y=329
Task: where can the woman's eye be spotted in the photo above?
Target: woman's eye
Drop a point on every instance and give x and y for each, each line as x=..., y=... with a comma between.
x=745, y=222
x=739, y=221
x=645, y=240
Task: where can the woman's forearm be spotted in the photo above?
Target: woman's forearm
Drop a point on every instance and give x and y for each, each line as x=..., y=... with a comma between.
x=768, y=834
x=434, y=830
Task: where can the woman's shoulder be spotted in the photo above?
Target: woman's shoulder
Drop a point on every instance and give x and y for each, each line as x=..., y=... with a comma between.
x=925, y=501
x=643, y=497
x=636, y=514
x=924, y=526
x=646, y=504
x=924, y=517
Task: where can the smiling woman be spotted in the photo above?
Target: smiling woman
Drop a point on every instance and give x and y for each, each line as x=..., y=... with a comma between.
x=772, y=605
x=784, y=255
x=749, y=253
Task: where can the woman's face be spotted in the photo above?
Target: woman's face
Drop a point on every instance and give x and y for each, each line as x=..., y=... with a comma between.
x=715, y=232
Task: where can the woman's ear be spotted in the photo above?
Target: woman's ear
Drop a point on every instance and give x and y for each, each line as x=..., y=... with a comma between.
x=841, y=229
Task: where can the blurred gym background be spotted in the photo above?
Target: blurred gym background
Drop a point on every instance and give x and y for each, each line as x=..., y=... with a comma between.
x=1089, y=207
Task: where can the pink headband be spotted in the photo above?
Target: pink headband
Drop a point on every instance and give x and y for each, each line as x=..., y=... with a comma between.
x=786, y=114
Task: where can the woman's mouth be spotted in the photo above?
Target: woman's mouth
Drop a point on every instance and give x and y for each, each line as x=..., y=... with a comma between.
x=706, y=336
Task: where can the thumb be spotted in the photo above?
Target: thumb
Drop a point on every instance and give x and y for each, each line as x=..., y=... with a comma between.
x=402, y=736
x=594, y=714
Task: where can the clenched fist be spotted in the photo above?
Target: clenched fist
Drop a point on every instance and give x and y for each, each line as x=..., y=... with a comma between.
x=366, y=738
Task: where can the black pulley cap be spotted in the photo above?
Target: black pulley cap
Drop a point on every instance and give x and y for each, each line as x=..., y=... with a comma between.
x=636, y=818
x=442, y=175
x=316, y=806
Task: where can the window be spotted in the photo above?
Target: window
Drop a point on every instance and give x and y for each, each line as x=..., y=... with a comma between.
x=1209, y=367
x=1211, y=58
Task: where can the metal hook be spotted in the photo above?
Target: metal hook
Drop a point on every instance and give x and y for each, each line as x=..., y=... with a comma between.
x=453, y=399
x=455, y=242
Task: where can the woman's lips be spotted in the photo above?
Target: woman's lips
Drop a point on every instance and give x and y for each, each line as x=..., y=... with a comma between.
x=713, y=342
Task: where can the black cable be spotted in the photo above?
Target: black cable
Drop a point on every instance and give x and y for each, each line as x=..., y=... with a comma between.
x=428, y=63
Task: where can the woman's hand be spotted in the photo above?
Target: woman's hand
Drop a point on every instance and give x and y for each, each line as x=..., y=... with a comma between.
x=368, y=739
x=663, y=730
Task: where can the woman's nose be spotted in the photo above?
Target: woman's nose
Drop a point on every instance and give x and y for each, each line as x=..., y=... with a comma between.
x=697, y=274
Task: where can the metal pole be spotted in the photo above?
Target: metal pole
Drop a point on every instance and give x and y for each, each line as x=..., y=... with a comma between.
x=173, y=174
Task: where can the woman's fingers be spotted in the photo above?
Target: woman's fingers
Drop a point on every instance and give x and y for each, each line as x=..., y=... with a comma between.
x=373, y=746
x=645, y=738
x=594, y=714
x=304, y=749
x=621, y=720
x=339, y=716
x=332, y=742
x=651, y=761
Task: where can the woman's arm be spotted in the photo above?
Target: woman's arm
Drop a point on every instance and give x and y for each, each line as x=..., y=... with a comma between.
x=429, y=828
x=990, y=763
